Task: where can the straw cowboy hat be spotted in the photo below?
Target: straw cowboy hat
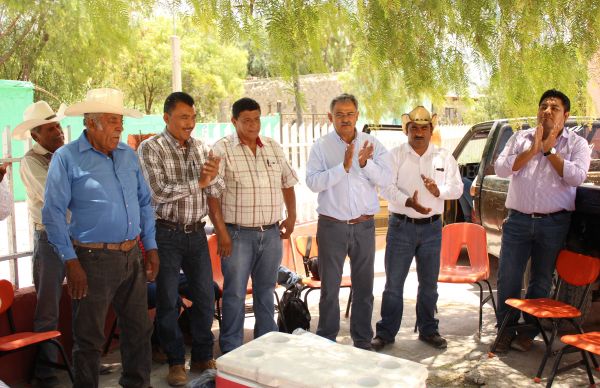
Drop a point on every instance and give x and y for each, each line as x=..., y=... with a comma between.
x=104, y=100
x=419, y=115
x=37, y=114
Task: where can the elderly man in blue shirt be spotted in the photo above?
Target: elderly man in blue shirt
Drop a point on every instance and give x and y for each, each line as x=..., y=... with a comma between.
x=345, y=167
x=98, y=178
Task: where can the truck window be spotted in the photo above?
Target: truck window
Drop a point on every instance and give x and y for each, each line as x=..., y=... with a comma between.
x=472, y=151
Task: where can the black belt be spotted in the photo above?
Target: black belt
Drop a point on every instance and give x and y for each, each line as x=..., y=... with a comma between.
x=417, y=221
x=261, y=228
x=185, y=228
x=539, y=215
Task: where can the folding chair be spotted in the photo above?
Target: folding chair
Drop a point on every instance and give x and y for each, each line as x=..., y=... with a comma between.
x=472, y=236
x=588, y=344
x=308, y=248
x=20, y=340
x=573, y=268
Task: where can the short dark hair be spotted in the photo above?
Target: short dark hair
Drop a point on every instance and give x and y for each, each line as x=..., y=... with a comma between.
x=343, y=98
x=557, y=94
x=244, y=103
x=176, y=97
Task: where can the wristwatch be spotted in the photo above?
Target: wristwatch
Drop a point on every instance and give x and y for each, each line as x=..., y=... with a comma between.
x=551, y=151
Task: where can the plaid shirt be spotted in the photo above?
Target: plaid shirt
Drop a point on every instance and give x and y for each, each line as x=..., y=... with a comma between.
x=173, y=172
x=252, y=195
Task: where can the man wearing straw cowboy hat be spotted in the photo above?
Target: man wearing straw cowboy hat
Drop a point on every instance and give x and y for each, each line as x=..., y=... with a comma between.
x=42, y=124
x=423, y=176
x=98, y=178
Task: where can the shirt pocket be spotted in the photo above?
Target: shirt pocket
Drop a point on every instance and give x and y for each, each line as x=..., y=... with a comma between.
x=274, y=170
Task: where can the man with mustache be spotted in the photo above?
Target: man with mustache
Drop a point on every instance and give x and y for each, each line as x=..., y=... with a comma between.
x=42, y=124
x=345, y=167
x=99, y=179
x=545, y=165
x=423, y=177
x=181, y=171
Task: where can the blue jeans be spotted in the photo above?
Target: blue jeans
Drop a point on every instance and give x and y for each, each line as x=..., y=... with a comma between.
x=256, y=254
x=48, y=277
x=524, y=237
x=466, y=200
x=188, y=251
x=404, y=241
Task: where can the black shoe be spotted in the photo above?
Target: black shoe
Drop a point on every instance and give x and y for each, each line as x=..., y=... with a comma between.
x=503, y=343
x=435, y=340
x=379, y=343
x=363, y=345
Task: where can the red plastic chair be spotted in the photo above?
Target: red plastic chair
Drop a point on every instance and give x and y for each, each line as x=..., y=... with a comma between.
x=308, y=248
x=20, y=340
x=573, y=268
x=472, y=236
x=586, y=343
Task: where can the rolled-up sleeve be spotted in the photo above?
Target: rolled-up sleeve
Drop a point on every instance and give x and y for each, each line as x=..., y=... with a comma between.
x=505, y=161
x=54, y=213
x=575, y=170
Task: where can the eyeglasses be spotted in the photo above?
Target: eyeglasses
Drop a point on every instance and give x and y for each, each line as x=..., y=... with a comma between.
x=343, y=115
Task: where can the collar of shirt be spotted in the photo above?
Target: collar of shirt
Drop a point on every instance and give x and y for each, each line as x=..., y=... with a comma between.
x=238, y=141
x=356, y=135
x=175, y=143
x=38, y=149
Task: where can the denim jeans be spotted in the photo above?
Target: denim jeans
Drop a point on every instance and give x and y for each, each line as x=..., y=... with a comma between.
x=256, y=254
x=466, y=200
x=524, y=237
x=336, y=241
x=116, y=278
x=188, y=251
x=48, y=278
x=404, y=241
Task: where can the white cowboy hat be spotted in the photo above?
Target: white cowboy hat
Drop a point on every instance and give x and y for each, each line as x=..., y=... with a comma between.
x=37, y=114
x=104, y=100
x=419, y=115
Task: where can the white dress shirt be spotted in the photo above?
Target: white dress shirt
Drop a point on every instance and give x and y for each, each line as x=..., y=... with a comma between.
x=33, y=171
x=407, y=167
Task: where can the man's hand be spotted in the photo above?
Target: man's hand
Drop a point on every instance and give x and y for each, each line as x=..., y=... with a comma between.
x=431, y=186
x=210, y=169
x=3, y=168
x=365, y=153
x=152, y=264
x=286, y=227
x=550, y=141
x=224, y=244
x=413, y=202
x=76, y=279
x=348, y=157
x=536, y=146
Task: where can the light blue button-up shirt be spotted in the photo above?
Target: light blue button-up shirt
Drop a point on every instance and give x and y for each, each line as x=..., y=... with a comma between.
x=108, y=198
x=343, y=195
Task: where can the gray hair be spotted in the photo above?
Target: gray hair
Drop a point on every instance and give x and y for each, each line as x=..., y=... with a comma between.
x=95, y=117
x=344, y=97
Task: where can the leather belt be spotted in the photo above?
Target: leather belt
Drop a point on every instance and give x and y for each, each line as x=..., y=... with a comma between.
x=185, y=228
x=357, y=220
x=418, y=221
x=124, y=246
x=261, y=228
x=540, y=215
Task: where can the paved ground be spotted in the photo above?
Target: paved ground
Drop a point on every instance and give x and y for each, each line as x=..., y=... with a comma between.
x=463, y=364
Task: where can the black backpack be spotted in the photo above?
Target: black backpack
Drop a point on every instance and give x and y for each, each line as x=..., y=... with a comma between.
x=294, y=312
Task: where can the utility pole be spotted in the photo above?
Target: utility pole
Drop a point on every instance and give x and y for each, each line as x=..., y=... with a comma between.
x=175, y=56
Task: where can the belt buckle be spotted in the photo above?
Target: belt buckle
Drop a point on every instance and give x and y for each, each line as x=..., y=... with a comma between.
x=186, y=230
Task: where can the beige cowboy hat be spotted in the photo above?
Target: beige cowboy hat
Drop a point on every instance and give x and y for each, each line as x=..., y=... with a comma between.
x=419, y=115
x=36, y=114
x=103, y=100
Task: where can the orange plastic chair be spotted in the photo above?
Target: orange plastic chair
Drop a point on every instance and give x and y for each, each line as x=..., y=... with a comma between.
x=20, y=340
x=307, y=248
x=573, y=268
x=454, y=237
x=587, y=344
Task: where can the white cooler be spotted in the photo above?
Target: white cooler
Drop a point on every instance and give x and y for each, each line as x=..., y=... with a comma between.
x=307, y=360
